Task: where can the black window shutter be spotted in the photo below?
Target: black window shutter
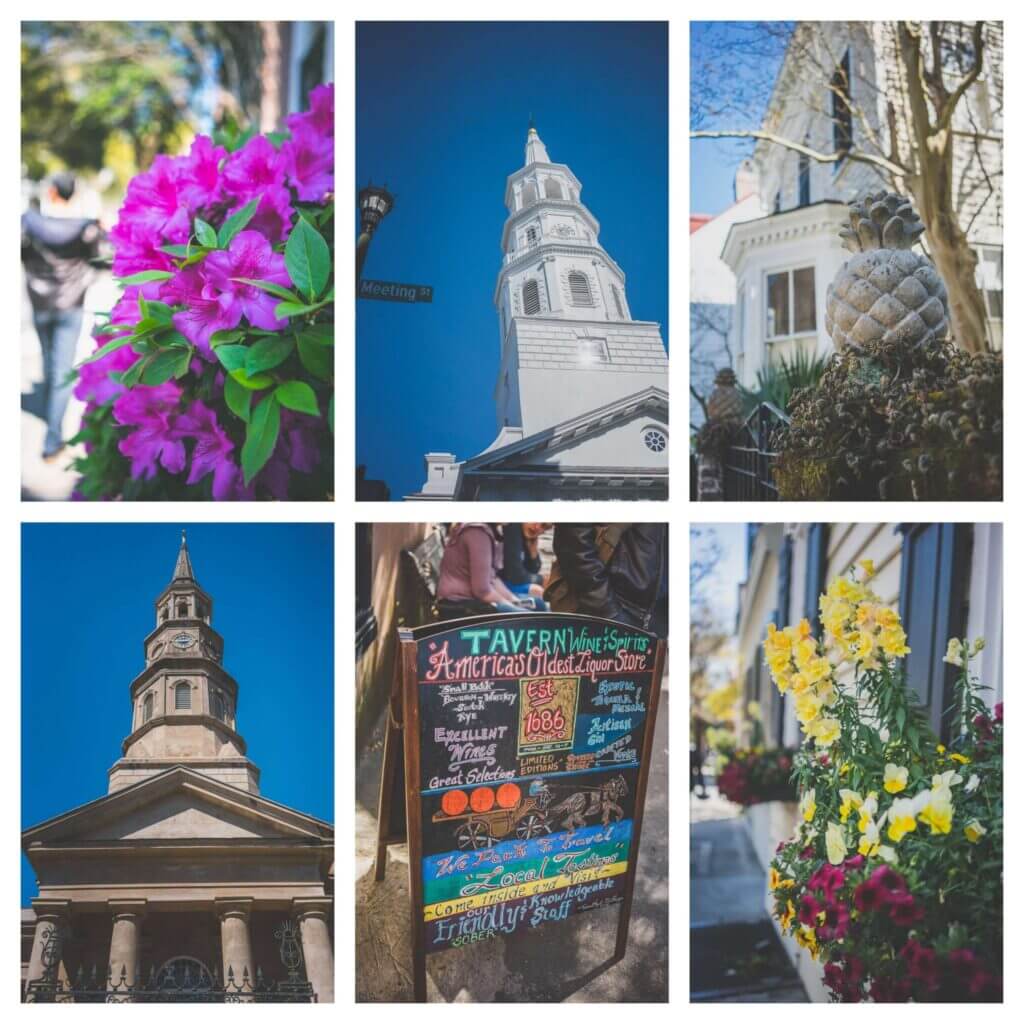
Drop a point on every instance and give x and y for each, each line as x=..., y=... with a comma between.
x=776, y=712
x=814, y=579
x=933, y=605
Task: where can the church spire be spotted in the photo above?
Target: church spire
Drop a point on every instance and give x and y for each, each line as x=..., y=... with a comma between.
x=536, y=153
x=183, y=566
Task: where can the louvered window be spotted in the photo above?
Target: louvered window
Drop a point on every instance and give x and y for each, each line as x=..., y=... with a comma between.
x=529, y=194
x=531, y=236
x=182, y=697
x=147, y=708
x=552, y=189
x=579, y=289
x=531, y=298
x=618, y=303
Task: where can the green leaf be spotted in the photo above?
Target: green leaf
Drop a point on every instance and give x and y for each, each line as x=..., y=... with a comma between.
x=238, y=398
x=232, y=357
x=297, y=395
x=171, y=362
x=178, y=251
x=318, y=334
x=205, y=233
x=277, y=138
x=260, y=437
x=159, y=311
x=145, y=276
x=236, y=222
x=308, y=259
x=268, y=353
x=286, y=309
x=270, y=286
x=225, y=337
x=111, y=346
x=316, y=358
x=261, y=380
x=131, y=376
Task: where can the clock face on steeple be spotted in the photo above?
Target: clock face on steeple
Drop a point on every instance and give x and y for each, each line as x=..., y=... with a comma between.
x=183, y=641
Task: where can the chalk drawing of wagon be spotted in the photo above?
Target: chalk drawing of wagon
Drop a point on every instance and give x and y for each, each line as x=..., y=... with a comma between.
x=487, y=815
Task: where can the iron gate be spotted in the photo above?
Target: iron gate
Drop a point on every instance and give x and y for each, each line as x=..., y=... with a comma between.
x=748, y=463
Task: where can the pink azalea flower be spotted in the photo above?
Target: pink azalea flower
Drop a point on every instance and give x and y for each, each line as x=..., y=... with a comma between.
x=206, y=311
x=154, y=202
x=249, y=255
x=199, y=174
x=320, y=116
x=309, y=163
x=273, y=216
x=256, y=167
x=151, y=410
x=212, y=451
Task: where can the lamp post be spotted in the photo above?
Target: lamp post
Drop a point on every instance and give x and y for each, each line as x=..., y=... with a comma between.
x=375, y=203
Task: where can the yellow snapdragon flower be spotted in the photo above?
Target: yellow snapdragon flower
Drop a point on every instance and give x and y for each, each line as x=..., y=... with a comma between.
x=808, y=704
x=974, y=830
x=868, y=565
x=895, y=778
x=808, y=806
x=825, y=731
x=835, y=843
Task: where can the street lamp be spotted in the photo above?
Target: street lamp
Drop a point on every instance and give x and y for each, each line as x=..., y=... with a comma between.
x=375, y=203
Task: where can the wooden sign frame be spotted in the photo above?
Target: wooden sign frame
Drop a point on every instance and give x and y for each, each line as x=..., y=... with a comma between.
x=400, y=776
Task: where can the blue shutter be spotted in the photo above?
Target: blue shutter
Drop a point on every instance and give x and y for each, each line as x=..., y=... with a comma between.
x=814, y=574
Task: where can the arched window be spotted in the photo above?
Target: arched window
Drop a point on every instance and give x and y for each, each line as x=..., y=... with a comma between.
x=618, y=303
x=529, y=194
x=579, y=289
x=552, y=189
x=182, y=696
x=182, y=610
x=217, y=705
x=531, y=298
x=147, y=708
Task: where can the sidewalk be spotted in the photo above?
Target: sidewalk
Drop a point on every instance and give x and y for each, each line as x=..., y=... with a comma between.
x=563, y=963
x=735, y=955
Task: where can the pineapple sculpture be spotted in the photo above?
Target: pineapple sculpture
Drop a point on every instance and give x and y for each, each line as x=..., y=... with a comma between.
x=885, y=300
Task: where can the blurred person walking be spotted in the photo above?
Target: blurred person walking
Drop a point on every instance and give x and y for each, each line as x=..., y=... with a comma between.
x=613, y=570
x=521, y=569
x=56, y=251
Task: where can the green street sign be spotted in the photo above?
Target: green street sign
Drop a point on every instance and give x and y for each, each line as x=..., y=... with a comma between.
x=392, y=291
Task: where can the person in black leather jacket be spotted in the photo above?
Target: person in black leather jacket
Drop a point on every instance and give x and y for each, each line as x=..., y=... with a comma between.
x=631, y=586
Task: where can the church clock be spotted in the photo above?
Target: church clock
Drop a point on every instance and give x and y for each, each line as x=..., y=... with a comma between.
x=183, y=641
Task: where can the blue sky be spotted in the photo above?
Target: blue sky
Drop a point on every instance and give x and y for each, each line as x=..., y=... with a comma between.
x=742, y=62
x=442, y=111
x=87, y=605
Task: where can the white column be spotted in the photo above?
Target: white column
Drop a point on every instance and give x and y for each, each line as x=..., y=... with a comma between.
x=51, y=915
x=126, y=916
x=314, y=916
x=236, y=945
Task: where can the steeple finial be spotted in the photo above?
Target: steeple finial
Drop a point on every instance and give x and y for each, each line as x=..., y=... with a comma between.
x=532, y=127
x=536, y=153
x=183, y=566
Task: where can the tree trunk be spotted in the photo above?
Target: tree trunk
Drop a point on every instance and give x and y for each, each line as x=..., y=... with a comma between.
x=270, y=77
x=956, y=262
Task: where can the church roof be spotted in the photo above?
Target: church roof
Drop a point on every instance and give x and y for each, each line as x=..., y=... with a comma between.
x=183, y=566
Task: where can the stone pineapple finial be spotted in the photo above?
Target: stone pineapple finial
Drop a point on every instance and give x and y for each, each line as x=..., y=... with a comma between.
x=725, y=402
x=885, y=298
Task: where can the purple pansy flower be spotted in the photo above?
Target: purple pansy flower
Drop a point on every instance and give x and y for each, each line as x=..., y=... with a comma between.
x=152, y=411
x=249, y=255
x=212, y=452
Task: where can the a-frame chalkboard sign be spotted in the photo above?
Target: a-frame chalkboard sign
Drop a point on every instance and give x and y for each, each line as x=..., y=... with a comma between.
x=515, y=764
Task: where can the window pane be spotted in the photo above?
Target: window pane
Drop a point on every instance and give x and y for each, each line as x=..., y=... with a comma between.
x=995, y=304
x=778, y=305
x=803, y=300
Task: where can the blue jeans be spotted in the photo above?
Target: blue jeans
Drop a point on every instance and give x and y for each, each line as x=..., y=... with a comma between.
x=58, y=332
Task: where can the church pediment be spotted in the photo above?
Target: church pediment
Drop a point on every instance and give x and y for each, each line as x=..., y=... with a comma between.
x=178, y=805
x=610, y=438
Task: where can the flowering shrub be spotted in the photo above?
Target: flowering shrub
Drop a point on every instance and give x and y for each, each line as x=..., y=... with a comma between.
x=893, y=877
x=756, y=776
x=214, y=375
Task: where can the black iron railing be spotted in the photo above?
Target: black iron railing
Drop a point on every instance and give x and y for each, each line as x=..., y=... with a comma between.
x=749, y=460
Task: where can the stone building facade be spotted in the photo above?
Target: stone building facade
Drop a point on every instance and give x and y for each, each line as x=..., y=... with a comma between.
x=183, y=883
x=582, y=389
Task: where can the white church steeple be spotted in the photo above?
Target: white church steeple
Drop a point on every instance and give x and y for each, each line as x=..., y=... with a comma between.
x=564, y=317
